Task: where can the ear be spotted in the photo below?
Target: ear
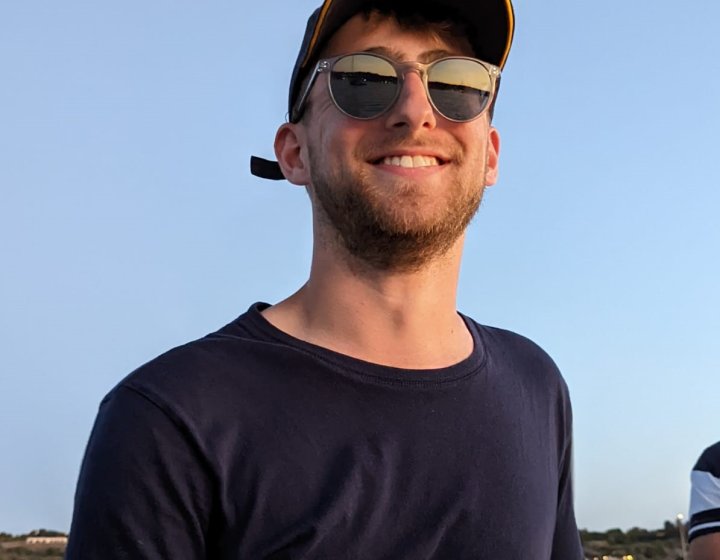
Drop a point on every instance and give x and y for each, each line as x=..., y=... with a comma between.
x=289, y=150
x=492, y=157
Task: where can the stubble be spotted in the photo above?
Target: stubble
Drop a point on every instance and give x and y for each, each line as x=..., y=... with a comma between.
x=386, y=233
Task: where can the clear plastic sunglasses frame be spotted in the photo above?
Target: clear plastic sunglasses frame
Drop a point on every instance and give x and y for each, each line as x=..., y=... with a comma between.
x=401, y=70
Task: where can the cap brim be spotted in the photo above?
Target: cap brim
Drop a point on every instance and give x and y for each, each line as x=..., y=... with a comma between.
x=492, y=20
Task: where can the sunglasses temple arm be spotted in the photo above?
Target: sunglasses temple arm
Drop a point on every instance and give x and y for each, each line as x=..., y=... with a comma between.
x=496, y=89
x=299, y=107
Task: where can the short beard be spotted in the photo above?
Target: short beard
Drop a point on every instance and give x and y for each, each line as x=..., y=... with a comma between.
x=383, y=239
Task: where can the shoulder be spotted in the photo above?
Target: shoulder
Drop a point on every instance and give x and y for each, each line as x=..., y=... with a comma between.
x=214, y=372
x=517, y=344
x=709, y=461
x=705, y=495
x=520, y=357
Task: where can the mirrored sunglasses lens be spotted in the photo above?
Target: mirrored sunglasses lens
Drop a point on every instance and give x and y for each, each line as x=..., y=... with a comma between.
x=363, y=85
x=460, y=89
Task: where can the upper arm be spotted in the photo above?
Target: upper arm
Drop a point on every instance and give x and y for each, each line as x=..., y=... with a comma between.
x=566, y=542
x=705, y=547
x=143, y=491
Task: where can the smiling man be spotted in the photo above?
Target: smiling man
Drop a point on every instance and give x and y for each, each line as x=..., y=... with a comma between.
x=363, y=417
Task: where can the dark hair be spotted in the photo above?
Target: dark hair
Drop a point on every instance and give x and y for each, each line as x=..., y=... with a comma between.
x=422, y=15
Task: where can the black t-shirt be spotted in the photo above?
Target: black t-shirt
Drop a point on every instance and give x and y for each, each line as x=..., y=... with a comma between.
x=251, y=444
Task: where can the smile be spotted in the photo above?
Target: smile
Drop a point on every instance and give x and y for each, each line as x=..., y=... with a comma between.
x=411, y=161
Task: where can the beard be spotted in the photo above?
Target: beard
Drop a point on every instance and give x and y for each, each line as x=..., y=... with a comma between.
x=389, y=231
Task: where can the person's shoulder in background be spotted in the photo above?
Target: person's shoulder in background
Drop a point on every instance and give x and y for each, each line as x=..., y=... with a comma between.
x=704, y=530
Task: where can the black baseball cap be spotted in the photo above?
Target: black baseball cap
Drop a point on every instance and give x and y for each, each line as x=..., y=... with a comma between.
x=492, y=23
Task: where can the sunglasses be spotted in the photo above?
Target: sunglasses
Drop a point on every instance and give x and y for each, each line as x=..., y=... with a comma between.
x=365, y=85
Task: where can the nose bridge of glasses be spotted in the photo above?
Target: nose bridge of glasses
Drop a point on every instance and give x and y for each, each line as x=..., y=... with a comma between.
x=421, y=72
x=411, y=66
x=413, y=105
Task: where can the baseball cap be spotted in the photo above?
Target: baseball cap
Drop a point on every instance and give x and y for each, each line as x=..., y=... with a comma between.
x=492, y=23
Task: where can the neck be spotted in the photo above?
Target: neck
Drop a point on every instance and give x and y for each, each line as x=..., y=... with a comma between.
x=400, y=319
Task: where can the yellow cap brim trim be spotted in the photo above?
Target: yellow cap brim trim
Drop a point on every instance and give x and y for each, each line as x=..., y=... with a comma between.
x=316, y=32
x=510, y=33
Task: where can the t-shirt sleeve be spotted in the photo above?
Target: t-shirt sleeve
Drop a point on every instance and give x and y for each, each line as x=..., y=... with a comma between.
x=144, y=491
x=705, y=494
x=566, y=540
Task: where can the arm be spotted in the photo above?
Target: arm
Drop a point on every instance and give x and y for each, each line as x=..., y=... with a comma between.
x=566, y=541
x=705, y=547
x=144, y=492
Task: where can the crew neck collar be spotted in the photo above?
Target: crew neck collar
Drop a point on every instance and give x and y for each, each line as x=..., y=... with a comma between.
x=370, y=371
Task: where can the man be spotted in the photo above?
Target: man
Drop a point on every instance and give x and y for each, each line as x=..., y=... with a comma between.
x=362, y=417
x=704, y=532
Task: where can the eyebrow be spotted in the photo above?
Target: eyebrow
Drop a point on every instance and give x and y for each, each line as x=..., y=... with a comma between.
x=427, y=56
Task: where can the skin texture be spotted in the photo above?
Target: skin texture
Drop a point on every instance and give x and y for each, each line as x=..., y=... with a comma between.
x=705, y=547
x=387, y=240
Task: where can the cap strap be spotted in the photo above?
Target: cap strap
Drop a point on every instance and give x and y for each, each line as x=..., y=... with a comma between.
x=265, y=168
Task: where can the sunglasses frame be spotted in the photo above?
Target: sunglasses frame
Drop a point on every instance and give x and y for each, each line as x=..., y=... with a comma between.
x=326, y=65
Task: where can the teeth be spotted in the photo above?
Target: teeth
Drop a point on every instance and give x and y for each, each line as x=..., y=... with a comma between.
x=411, y=161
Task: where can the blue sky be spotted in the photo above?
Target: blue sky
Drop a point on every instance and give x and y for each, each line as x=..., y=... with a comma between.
x=129, y=221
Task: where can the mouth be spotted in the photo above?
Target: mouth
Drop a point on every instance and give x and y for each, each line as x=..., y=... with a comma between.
x=408, y=161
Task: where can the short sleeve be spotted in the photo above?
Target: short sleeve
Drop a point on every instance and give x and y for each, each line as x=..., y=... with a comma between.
x=705, y=494
x=144, y=491
x=566, y=540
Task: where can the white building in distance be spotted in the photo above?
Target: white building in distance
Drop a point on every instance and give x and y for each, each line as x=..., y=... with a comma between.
x=46, y=540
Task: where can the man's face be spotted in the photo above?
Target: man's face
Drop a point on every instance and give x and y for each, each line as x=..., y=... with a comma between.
x=398, y=190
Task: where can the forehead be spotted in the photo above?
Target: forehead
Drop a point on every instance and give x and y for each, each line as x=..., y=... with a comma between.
x=361, y=33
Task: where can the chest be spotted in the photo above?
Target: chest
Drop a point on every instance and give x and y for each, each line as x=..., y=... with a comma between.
x=390, y=474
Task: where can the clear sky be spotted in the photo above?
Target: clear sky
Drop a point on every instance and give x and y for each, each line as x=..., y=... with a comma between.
x=129, y=221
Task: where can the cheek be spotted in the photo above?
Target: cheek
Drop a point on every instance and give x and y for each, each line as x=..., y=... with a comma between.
x=338, y=139
x=476, y=146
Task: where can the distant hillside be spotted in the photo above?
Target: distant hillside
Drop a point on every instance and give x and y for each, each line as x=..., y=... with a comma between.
x=15, y=547
x=639, y=544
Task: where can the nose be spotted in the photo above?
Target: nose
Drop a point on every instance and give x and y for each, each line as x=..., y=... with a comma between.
x=412, y=108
